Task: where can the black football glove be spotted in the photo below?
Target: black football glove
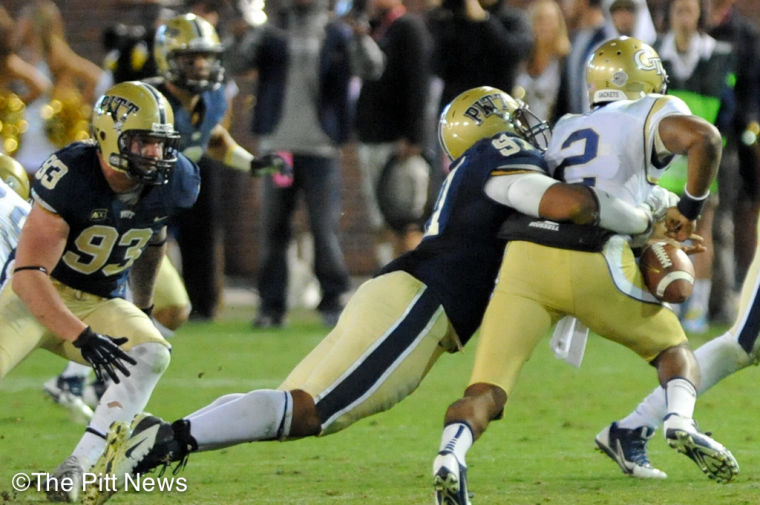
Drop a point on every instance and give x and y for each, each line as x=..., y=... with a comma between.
x=271, y=164
x=104, y=354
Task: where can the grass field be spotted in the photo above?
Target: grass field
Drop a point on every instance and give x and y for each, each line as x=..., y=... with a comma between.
x=542, y=453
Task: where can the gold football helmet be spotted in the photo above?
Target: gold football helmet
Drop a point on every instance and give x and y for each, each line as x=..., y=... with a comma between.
x=176, y=46
x=14, y=175
x=624, y=68
x=129, y=120
x=483, y=112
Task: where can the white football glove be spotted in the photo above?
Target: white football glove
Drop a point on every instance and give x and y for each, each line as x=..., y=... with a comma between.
x=656, y=205
x=659, y=201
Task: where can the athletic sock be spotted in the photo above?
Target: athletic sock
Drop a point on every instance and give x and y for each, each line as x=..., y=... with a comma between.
x=719, y=358
x=456, y=438
x=122, y=401
x=680, y=397
x=649, y=412
x=216, y=403
x=264, y=414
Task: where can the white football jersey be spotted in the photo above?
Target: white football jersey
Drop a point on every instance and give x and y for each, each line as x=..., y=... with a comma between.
x=13, y=212
x=611, y=147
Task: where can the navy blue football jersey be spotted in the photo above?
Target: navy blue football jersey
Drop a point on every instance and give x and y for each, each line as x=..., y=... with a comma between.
x=106, y=234
x=195, y=128
x=460, y=253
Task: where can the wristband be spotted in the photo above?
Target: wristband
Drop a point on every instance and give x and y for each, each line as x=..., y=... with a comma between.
x=691, y=207
x=238, y=158
x=148, y=310
x=31, y=267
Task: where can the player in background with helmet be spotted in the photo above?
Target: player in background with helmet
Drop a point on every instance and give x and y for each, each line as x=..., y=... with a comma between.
x=188, y=56
x=426, y=302
x=551, y=270
x=99, y=218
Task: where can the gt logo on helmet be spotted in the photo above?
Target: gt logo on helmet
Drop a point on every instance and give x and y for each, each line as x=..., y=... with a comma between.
x=485, y=107
x=646, y=61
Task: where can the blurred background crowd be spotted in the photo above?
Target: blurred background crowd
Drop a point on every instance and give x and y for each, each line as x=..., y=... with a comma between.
x=349, y=93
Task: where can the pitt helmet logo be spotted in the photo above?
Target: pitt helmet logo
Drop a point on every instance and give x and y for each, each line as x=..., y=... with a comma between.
x=118, y=107
x=646, y=61
x=485, y=107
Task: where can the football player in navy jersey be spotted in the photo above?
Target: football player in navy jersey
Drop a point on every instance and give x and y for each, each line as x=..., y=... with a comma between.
x=99, y=216
x=188, y=52
x=426, y=302
x=188, y=55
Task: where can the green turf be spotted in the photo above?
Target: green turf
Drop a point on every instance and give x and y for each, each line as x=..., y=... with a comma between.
x=541, y=453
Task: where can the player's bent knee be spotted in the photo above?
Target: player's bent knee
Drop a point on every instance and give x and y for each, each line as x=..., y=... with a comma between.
x=306, y=421
x=172, y=317
x=492, y=395
x=155, y=355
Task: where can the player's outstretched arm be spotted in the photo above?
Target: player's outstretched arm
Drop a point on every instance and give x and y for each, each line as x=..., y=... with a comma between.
x=222, y=147
x=538, y=195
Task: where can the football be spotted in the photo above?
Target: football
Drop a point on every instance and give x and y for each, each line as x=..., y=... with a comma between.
x=668, y=272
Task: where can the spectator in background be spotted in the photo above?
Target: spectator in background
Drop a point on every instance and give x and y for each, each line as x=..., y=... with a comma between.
x=301, y=112
x=128, y=52
x=631, y=18
x=41, y=41
x=475, y=44
x=390, y=111
x=539, y=77
x=16, y=73
x=20, y=83
x=725, y=23
x=698, y=68
x=591, y=30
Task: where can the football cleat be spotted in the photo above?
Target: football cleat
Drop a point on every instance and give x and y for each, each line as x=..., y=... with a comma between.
x=67, y=392
x=711, y=457
x=97, y=493
x=71, y=470
x=148, y=443
x=450, y=480
x=628, y=448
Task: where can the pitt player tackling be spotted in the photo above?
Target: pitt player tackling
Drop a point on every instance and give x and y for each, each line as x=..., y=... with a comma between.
x=426, y=302
x=554, y=270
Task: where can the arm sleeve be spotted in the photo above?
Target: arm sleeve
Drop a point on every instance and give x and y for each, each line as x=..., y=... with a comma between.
x=521, y=191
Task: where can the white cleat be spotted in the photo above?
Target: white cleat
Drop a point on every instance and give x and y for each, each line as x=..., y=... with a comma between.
x=711, y=457
x=450, y=480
